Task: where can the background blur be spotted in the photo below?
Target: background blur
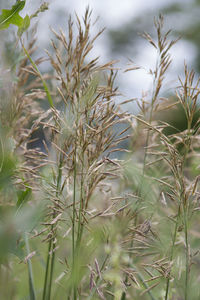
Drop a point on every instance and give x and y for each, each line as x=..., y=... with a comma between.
x=124, y=20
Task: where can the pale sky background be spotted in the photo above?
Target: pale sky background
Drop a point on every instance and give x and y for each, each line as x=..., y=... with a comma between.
x=112, y=14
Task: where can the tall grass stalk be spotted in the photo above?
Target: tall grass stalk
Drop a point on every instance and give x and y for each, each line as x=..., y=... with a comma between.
x=187, y=97
x=162, y=46
x=30, y=270
x=172, y=251
x=49, y=98
x=50, y=261
x=74, y=249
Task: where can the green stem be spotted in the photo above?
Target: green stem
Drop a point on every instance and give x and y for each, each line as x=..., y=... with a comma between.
x=186, y=253
x=172, y=252
x=51, y=248
x=47, y=271
x=73, y=225
x=59, y=177
x=40, y=75
x=51, y=271
x=30, y=271
x=185, y=212
x=81, y=207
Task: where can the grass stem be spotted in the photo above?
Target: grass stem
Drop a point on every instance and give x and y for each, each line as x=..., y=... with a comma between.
x=30, y=271
x=50, y=100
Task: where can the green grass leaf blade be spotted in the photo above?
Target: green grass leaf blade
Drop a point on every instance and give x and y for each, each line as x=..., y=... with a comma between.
x=24, y=26
x=11, y=16
x=50, y=100
x=23, y=197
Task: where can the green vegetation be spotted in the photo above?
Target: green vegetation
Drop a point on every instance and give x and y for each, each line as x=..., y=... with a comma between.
x=81, y=215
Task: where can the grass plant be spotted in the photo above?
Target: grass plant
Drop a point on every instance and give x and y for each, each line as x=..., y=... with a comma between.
x=90, y=223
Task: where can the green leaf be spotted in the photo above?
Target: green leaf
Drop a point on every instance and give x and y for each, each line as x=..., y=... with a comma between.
x=17, y=248
x=25, y=25
x=23, y=197
x=10, y=241
x=11, y=16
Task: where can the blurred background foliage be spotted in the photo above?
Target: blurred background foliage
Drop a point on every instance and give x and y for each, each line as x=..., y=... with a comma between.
x=123, y=40
x=181, y=17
